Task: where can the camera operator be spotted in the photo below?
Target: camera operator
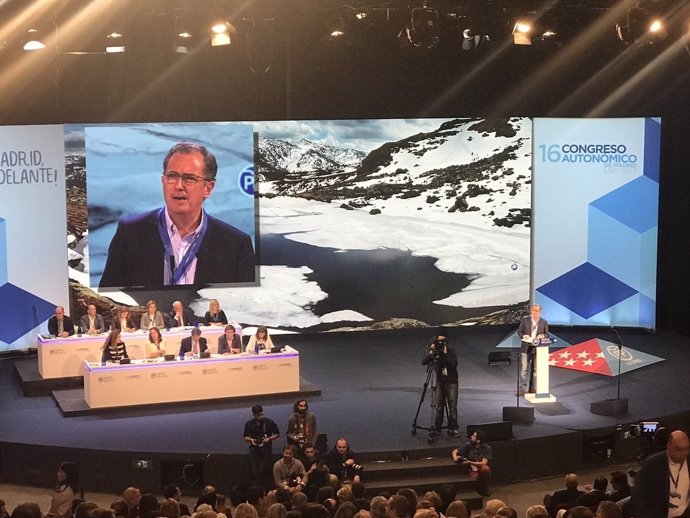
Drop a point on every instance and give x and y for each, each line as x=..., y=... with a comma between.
x=317, y=472
x=341, y=462
x=288, y=472
x=445, y=360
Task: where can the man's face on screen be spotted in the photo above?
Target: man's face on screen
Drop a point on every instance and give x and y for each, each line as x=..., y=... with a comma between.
x=185, y=200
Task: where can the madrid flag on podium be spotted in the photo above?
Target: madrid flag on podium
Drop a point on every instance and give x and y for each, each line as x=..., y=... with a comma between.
x=600, y=357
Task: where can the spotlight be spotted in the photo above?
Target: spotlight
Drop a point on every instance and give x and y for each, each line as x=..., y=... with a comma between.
x=183, y=35
x=33, y=41
x=640, y=28
x=337, y=29
x=522, y=32
x=422, y=31
x=528, y=31
x=115, y=43
x=657, y=28
x=472, y=41
x=221, y=33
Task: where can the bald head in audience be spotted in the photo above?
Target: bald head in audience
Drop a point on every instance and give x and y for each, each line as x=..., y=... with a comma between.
x=131, y=496
x=678, y=446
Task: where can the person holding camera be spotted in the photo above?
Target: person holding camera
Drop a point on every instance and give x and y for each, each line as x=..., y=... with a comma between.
x=288, y=472
x=341, y=462
x=259, y=433
x=301, y=427
x=444, y=360
x=474, y=457
x=317, y=472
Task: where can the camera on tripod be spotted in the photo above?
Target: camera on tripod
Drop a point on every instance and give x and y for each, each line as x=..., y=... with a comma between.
x=436, y=347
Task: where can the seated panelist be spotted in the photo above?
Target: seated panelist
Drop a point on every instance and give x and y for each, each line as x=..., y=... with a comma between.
x=180, y=316
x=92, y=323
x=230, y=342
x=260, y=341
x=124, y=321
x=193, y=345
x=215, y=316
x=156, y=346
x=152, y=317
x=114, y=348
x=60, y=325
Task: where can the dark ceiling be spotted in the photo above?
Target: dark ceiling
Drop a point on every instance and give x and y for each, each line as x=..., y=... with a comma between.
x=396, y=58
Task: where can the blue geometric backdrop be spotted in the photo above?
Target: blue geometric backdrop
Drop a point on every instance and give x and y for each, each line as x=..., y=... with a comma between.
x=619, y=276
x=22, y=311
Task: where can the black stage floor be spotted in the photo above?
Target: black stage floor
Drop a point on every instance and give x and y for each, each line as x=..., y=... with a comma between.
x=371, y=384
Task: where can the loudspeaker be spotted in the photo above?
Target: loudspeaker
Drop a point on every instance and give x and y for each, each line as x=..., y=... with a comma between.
x=610, y=407
x=184, y=474
x=595, y=452
x=499, y=358
x=625, y=449
x=494, y=431
x=518, y=414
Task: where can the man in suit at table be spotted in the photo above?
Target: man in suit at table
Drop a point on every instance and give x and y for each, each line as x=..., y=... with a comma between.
x=92, y=323
x=60, y=325
x=532, y=328
x=180, y=316
x=193, y=345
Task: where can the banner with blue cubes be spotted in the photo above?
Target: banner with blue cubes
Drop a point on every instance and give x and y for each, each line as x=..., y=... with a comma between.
x=595, y=220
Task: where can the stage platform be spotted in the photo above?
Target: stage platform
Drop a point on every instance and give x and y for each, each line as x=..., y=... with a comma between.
x=370, y=383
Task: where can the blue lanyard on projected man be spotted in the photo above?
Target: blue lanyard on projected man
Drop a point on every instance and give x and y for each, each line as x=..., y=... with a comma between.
x=177, y=272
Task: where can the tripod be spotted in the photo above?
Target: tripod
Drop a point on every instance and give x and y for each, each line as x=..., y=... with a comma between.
x=430, y=378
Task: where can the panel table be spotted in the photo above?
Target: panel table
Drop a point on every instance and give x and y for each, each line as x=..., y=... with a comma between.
x=156, y=381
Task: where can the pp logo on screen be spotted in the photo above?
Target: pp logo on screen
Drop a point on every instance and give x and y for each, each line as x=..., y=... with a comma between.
x=246, y=180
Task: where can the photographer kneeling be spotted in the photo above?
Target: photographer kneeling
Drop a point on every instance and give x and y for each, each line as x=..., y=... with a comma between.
x=474, y=457
x=445, y=362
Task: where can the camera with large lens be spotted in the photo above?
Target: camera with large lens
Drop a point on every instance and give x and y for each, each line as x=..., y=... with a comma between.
x=436, y=347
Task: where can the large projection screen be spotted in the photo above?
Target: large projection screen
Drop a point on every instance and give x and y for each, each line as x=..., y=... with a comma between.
x=357, y=224
x=595, y=220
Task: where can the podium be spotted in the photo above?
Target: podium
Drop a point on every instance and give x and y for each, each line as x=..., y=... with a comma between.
x=541, y=371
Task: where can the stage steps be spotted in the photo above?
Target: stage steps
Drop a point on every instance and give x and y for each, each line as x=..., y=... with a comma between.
x=422, y=475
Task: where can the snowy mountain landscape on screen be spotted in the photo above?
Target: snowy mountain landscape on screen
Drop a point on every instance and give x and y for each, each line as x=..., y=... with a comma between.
x=444, y=204
x=465, y=165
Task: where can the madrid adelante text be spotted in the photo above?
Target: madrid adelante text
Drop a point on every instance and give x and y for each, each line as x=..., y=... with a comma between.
x=28, y=176
x=589, y=154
